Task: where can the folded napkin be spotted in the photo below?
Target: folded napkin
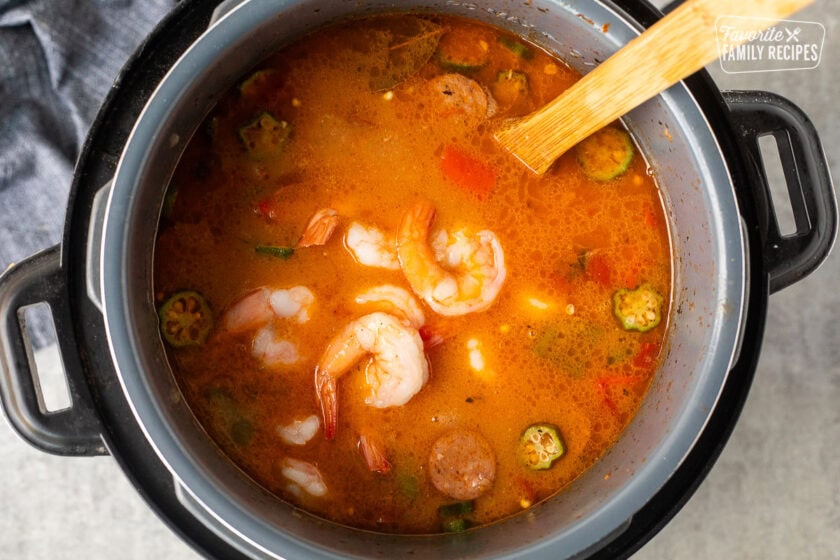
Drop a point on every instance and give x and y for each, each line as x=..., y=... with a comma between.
x=58, y=60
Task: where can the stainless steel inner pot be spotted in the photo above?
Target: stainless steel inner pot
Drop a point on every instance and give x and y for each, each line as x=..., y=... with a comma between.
x=706, y=317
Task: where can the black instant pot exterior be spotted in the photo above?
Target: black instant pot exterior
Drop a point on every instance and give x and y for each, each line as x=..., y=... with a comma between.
x=101, y=421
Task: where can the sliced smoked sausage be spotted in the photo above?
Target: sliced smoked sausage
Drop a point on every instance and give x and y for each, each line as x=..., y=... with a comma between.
x=462, y=464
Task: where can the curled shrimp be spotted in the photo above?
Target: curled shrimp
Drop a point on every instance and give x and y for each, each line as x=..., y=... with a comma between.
x=303, y=477
x=396, y=371
x=458, y=273
x=396, y=301
x=261, y=310
x=373, y=454
x=371, y=247
x=272, y=350
x=299, y=432
x=320, y=228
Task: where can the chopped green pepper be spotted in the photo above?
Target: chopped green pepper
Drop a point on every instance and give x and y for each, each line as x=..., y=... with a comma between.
x=605, y=154
x=453, y=516
x=509, y=86
x=639, y=309
x=516, y=47
x=169, y=201
x=408, y=485
x=456, y=55
x=456, y=509
x=241, y=431
x=540, y=445
x=185, y=319
x=454, y=525
x=253, y=83
x=274, y=251
x=462, y=66
x=228, y=415
x=265, y=136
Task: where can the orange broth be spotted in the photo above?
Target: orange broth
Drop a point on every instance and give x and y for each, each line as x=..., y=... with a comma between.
x=553, y=350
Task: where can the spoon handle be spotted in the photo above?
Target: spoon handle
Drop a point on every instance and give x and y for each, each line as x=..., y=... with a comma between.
x=675, y=47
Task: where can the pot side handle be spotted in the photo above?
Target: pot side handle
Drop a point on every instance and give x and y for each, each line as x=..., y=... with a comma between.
x=75, y=430
x=788, y=258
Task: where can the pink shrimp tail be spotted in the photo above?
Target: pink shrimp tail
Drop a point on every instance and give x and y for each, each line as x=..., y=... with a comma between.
x=325, y=388
x=417, y=221
x=413, y=251
x=320, y=228
x=435, y=335
x=249, y=312
x=374, y=456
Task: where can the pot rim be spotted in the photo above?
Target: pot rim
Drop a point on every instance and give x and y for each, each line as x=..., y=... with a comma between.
x=128, y=359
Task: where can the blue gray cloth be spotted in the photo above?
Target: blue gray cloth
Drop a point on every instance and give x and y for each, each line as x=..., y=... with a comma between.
x=58, y=59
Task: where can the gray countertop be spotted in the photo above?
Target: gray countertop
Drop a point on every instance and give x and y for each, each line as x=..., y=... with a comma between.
x=773, y=494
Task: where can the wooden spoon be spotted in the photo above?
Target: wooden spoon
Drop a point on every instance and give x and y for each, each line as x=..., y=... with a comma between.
x=675, y=47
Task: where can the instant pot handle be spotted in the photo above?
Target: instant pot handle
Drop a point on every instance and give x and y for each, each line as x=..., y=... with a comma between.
x=791, y=257
x=75, y=430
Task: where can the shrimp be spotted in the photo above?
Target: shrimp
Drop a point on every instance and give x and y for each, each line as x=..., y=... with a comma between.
x=273, y=351
x=459, y=273
x=304, y=477
x=396, y=371
x=370, y=247
x=299, y=432
x=320, y=228
x=260, y=310
x=396, y=301
x=373, y=455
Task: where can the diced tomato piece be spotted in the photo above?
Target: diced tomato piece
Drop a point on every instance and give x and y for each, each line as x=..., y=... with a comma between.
x=598, y=269
x=467, y=172
x=608, y=401
x=269, y=208
x=435, y=335
x=631, y=277
x=650, y=218
x=647, y=355
x=527, y=493
x=265, y=208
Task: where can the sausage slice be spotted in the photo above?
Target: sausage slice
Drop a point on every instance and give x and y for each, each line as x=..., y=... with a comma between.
x=462, y=465
x=459, y=95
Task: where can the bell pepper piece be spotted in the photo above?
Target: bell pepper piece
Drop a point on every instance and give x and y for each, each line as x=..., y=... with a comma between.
x=454, y=525
x=468, y=173
x=275, y=251
x=456, y=509
x=516, y=47
x=457, y=55
x=256, y=82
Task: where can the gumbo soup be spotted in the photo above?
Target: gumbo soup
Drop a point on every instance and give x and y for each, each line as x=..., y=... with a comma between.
x=379, y=315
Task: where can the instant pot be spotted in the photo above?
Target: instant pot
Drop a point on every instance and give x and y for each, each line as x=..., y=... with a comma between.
x=729, y=256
